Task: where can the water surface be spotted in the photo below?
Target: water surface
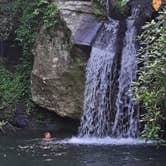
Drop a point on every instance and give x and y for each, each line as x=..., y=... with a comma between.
x=29, y=151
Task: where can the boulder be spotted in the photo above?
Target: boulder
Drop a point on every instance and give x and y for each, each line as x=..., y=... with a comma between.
x=59, y=65
x=80, y=19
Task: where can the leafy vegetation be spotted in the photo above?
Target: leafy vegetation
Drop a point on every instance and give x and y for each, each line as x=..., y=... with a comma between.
x=115, y=5
x=151, y=86
x=11, y=88
x=120, y=6
x=119, y=3
x=30, y=16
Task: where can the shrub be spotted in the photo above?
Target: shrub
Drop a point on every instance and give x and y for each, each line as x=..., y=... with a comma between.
x=151, y=86
x=30, y=16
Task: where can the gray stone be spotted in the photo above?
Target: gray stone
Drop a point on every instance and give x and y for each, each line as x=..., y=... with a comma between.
x=80, y=19
x=58, y=74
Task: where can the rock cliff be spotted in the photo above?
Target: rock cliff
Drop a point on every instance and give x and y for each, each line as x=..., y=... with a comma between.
x=59, y=65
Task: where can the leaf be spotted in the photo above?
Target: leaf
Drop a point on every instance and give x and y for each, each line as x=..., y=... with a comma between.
x=156, y=4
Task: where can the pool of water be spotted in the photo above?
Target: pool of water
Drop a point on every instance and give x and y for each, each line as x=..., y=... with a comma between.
x=32, y=151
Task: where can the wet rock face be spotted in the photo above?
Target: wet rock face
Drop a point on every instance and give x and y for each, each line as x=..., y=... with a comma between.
x=59, y=66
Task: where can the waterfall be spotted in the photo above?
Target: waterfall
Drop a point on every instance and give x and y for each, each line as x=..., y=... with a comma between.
x=107, y=6
x=99, y=118
x=126, y=119
x=95, y=121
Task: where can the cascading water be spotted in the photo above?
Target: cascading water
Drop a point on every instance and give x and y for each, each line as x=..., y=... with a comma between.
x=126, y=119
x=99, y=119
x=107, y=6
x=96, y=118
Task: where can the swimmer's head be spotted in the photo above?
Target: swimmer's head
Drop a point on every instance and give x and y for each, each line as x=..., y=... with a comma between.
x=47, y=135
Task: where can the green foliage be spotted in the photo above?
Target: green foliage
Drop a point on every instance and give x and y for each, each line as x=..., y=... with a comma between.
x=151, y=86
x=118, y=5
x=2, y=124
x=11, y=88
x=34, y=15
x=30, y=16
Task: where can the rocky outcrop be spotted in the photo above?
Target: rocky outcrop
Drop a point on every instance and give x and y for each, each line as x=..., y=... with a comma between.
x=59, y=65
x=80, y=19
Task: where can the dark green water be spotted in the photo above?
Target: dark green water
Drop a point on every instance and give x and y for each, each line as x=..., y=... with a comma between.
x=27, y=151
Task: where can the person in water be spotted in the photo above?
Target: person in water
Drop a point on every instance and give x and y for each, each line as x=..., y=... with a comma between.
x=47, y=136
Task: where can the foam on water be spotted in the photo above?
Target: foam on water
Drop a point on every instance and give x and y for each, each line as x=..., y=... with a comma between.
x=104, y=141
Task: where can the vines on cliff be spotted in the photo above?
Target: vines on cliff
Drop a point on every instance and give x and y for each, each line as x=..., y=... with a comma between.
x=30, y=15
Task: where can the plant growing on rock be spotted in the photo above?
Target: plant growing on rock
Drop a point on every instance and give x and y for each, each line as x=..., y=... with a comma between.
x=30, y=15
